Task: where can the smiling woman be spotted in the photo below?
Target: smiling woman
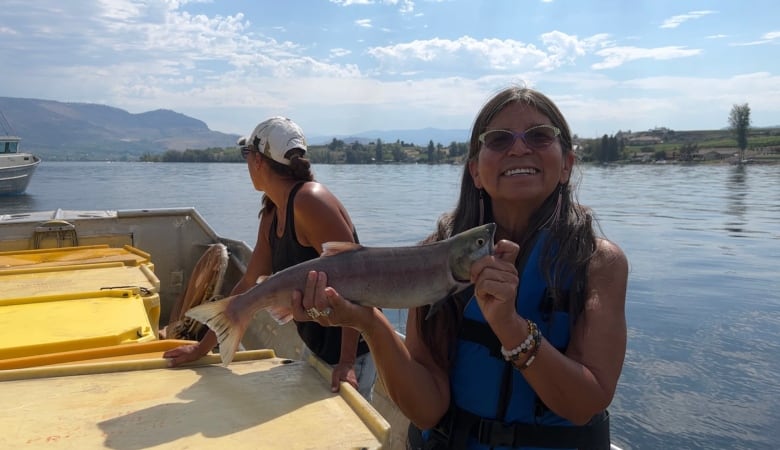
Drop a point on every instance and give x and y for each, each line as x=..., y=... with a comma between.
x=503, y=364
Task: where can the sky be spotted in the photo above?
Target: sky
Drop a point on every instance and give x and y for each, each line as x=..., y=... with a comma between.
x=350, y=66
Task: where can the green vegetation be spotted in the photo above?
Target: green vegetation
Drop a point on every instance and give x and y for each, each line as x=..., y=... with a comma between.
x=739, y=120
x=231, y=154
x=336, y=152
x=662, y=144
x=624, y=147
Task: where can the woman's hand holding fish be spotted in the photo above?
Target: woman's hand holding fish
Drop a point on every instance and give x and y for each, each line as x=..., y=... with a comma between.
x=495, y=285
x=312, y=304
x=334, y=310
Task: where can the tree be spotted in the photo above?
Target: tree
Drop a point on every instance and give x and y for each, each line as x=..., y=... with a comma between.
x=431, y=152
x=688, y=150
x=739, y=120
x=379, y=151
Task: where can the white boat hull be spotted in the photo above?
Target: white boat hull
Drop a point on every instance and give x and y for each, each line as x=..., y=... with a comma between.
x=16, y=170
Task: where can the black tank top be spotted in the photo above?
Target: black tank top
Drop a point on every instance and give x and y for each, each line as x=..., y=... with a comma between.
x=286, y=251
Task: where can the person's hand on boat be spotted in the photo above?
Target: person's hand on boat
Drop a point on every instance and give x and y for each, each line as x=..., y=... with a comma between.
x=190, y=352
x=343, y=371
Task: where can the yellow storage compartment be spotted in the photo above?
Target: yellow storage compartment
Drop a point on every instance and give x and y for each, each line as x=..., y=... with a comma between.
x=87, y=254
x=59, y=323
x=35, y=281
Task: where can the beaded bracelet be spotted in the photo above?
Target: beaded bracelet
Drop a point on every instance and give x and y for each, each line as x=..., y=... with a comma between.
x=530, y=360
x=524, y=347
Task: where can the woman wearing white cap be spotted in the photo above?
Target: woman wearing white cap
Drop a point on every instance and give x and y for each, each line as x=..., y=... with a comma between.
x=298, y=216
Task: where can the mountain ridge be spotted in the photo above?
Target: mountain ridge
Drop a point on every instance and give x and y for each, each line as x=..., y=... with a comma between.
x=56, y=130
x=60, y=130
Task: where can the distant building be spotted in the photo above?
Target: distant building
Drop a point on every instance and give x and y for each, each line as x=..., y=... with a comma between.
x=645, y=140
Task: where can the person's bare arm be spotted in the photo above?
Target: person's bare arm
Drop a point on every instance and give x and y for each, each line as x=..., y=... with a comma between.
x=321, y=218
x=582, y=382
x=413, y=381
x=259, y=264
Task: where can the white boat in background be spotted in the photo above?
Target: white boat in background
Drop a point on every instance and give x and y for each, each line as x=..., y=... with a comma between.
x=16, y=168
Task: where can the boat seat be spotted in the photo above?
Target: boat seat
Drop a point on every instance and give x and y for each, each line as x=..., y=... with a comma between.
x=60, y=231
x=205, y=285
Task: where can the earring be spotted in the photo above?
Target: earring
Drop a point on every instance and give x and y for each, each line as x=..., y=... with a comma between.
x=556, y=214
x=481, y=207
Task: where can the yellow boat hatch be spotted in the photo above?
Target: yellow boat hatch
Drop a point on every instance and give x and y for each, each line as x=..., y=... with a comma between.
x=50, y=324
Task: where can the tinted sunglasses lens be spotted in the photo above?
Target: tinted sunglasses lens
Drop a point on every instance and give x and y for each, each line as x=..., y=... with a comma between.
x=539, y=137
x=244, y=152
x=499, y=140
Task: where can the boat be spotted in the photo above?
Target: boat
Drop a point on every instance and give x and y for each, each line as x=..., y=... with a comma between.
x=16, y=168
x=86, y=299
x=85, y=295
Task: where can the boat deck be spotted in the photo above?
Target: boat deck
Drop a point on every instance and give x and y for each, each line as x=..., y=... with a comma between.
x=260, y=401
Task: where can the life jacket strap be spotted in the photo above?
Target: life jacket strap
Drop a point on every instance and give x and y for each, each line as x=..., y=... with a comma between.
x=495, y=433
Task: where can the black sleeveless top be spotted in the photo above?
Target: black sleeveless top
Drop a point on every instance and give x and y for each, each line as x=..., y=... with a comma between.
x=286, y=251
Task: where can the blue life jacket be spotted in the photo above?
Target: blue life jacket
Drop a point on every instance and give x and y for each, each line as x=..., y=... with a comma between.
x=492, y=406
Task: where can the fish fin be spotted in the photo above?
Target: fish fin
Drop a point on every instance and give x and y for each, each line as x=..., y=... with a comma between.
x=228, y=332
x=459, y=286
x=281, y=314
x=334, y=248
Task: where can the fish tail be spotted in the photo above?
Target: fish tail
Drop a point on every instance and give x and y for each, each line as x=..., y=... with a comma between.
x=228, y=331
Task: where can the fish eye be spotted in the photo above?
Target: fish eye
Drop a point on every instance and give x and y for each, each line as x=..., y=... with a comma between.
x=481, y=241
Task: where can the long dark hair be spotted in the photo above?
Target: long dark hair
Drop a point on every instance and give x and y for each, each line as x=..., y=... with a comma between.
x=569, y=224
x=299, y=169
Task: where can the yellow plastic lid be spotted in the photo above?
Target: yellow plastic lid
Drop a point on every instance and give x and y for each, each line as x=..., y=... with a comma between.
x=57, y=323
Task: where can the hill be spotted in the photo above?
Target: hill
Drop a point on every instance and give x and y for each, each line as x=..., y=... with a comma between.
x=84, y=131
x=87, y=131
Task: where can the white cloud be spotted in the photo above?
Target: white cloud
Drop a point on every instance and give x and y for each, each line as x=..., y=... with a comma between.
x=365, y=23
x=709, y=95
x=565, y=49
x=405, y=6
x=767, y=38
x=352, y=2
x=339, y=52
x=676, y=21
x=617, y=56
x=230, y=72
x=485, y=55
x=446, y=55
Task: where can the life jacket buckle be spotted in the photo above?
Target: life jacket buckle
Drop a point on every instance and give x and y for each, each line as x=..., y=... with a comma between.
x=496, y=433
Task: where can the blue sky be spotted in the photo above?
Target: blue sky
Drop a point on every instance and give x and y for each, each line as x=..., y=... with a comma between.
x=348, y=66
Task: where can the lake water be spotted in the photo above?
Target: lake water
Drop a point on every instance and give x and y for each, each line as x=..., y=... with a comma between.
x=703, y=306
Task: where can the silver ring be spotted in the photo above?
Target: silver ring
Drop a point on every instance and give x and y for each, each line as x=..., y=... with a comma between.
x=326, y=312
x=313, y=313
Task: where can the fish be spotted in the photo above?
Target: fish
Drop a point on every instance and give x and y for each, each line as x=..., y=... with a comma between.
x=383, y=277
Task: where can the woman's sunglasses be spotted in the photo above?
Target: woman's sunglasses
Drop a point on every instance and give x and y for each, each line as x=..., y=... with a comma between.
x=245, y=150
x=539, y=137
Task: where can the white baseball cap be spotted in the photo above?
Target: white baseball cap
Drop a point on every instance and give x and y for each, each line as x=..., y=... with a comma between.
x=275, y=137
